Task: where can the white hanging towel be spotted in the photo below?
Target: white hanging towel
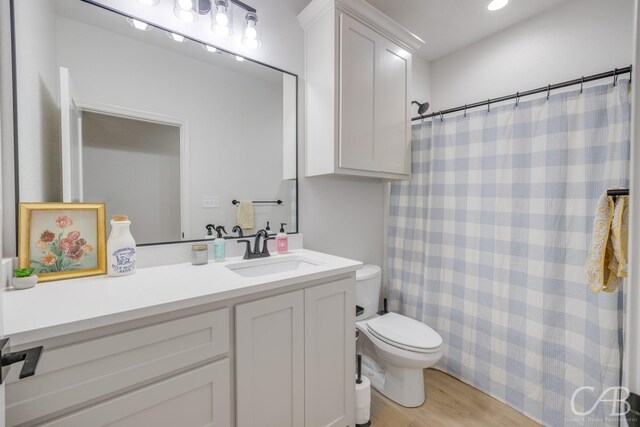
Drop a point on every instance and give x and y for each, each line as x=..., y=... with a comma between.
x=244, y=216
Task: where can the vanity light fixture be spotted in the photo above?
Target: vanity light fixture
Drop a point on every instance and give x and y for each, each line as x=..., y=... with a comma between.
x=251, y=37
x=497, y=5
x=176, y=37
x=186, y=10
x=149, y=2
x=209, y=48
x=139, y=25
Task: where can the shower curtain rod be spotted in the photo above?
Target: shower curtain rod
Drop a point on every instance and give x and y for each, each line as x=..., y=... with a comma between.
x=613, y=73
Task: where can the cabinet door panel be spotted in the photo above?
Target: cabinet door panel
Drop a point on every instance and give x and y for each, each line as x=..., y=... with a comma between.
x=358, y=63
x=270, y=362
x=393, y=115
x=196, y=398
x=330, y=354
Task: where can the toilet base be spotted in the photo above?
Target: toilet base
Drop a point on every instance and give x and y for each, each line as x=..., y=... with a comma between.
x=404, y=386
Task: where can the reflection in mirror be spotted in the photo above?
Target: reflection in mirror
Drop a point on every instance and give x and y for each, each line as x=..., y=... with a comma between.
x=167, y=132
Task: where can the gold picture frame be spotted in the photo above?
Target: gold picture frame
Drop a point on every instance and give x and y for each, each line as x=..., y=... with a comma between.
x=62, y=240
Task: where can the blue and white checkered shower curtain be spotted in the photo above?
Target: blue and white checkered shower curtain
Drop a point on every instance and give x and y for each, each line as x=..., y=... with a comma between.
x=488, y=242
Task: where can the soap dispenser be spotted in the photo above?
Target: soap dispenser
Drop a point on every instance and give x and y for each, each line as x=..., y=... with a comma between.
x=219, y=245
x=282, y=240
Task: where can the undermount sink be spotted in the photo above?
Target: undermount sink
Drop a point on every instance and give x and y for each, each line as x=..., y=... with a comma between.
x=275, y=265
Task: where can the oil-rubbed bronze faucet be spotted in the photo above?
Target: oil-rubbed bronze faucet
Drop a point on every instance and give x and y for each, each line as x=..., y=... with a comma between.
x=257, y=253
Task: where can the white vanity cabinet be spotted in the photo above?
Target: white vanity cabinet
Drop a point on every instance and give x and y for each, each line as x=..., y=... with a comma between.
x=358, y=78
x=280, y=357
x=295, y=358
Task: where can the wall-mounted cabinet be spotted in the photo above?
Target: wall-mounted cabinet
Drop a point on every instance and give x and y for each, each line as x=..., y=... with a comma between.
x=358, y=78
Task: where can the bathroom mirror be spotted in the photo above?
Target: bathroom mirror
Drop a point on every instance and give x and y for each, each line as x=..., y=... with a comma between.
x=163, y=128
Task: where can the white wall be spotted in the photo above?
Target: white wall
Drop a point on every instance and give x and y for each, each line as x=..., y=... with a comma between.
x=579, y=38
x=38, y=115
x=134, y=167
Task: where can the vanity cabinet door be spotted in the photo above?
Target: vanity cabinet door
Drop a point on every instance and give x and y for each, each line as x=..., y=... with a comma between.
x=196, y=398
x=270, y=362
x=329, y=327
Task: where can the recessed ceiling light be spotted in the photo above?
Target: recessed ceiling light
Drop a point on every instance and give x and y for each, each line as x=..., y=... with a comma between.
x=497, y=4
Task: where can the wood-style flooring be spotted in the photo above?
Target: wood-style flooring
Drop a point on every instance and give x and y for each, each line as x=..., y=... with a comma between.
x=450, y=403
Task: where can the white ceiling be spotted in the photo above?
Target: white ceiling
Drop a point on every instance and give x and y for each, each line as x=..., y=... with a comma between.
x=449, y=25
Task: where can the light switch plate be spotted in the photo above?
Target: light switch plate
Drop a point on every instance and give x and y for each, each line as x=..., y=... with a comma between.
x=209, y=202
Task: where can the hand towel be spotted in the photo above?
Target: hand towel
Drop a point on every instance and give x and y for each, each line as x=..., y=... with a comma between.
x=606, y=261
x=620, y=236
x=244, y=216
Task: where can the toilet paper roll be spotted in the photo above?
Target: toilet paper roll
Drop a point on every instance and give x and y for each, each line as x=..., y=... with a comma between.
x=363, y=401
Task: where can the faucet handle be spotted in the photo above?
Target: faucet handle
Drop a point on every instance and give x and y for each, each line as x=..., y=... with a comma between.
x=265, y=247
x=247, y=252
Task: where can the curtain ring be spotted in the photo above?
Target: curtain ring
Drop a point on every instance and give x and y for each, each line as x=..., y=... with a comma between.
x=615, y=77
x=488, y=105
x=441, y=118
x=548, y=91
x=465, y=110
x=581, y=84
x=517, y=99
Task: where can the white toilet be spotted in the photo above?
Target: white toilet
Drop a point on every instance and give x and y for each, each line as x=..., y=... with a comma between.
x=394, y=348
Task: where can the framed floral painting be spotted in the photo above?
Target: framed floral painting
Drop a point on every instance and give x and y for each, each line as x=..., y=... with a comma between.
x=62, y=240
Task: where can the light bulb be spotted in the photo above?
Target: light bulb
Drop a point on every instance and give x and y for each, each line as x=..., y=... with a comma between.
x=239, y=58
x=250, y=32
x=221, y=30
x=138, y=25
x=186, y=16
x=250, y=43
x=185, y=4
x=209, y=48
x=497, y=4
x=221, y=16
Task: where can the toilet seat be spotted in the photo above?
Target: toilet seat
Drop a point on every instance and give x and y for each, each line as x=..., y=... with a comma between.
x=404, y=332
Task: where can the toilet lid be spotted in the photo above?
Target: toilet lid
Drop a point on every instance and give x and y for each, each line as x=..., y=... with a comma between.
x=404, y=332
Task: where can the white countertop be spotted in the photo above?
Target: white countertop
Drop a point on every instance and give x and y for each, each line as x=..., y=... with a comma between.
x=68, y=306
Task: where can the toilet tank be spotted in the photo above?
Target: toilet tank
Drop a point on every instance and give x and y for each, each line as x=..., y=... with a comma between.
x=368, y=284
